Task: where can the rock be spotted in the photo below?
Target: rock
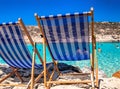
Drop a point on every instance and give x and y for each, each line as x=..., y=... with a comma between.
x=63, y=67
x=101, y=28
x=117, y=74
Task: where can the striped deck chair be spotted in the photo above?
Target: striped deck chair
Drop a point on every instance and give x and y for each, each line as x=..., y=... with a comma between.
x=68, y=39
x=14, y=52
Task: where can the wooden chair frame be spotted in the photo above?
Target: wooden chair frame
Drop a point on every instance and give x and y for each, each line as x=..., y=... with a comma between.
x=94, y=62
x=15, y=70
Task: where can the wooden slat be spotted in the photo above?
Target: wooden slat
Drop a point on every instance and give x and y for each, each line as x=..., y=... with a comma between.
x=13, y=85
x=76, y=74
x=70, y=82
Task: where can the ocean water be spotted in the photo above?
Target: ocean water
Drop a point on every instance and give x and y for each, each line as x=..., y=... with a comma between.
x=108, y=57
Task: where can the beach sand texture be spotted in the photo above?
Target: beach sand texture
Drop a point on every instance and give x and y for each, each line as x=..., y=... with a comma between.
x=104, y=82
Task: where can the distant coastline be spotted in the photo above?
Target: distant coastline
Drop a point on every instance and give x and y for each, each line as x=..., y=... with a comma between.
x=105, y=32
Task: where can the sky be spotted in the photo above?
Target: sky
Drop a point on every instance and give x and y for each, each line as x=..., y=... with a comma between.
x=11, y=10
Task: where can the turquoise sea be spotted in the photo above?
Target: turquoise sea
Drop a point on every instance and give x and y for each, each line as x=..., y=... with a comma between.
x=108, y=58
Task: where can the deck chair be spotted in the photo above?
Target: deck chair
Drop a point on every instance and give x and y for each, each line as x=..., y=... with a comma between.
x=67, y=37
x=14, y=52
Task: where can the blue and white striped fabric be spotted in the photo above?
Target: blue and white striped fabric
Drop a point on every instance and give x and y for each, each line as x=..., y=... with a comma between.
x=13, y=48
x=67, y=36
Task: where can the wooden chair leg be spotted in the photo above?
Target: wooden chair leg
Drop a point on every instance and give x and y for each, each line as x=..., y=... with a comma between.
x=96, y=69
x=92, y=81
x=39, y=76
x=33, y=67
x=97, y=84
x=19, y=77
x=51, y=77
x=56, y=67
x=10, y=74
x=17, y=74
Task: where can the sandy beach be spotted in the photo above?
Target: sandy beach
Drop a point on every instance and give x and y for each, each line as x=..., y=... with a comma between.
x=104, y=82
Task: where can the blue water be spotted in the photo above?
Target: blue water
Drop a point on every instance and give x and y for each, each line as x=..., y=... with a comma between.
x=108, y=58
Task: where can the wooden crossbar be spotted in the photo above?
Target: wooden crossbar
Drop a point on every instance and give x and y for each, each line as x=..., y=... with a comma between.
x=13, y=85
x=70, y=82
x=76, y=74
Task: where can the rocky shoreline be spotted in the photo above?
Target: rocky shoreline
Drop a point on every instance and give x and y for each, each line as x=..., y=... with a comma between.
x=105, y=32
x=104, y=82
